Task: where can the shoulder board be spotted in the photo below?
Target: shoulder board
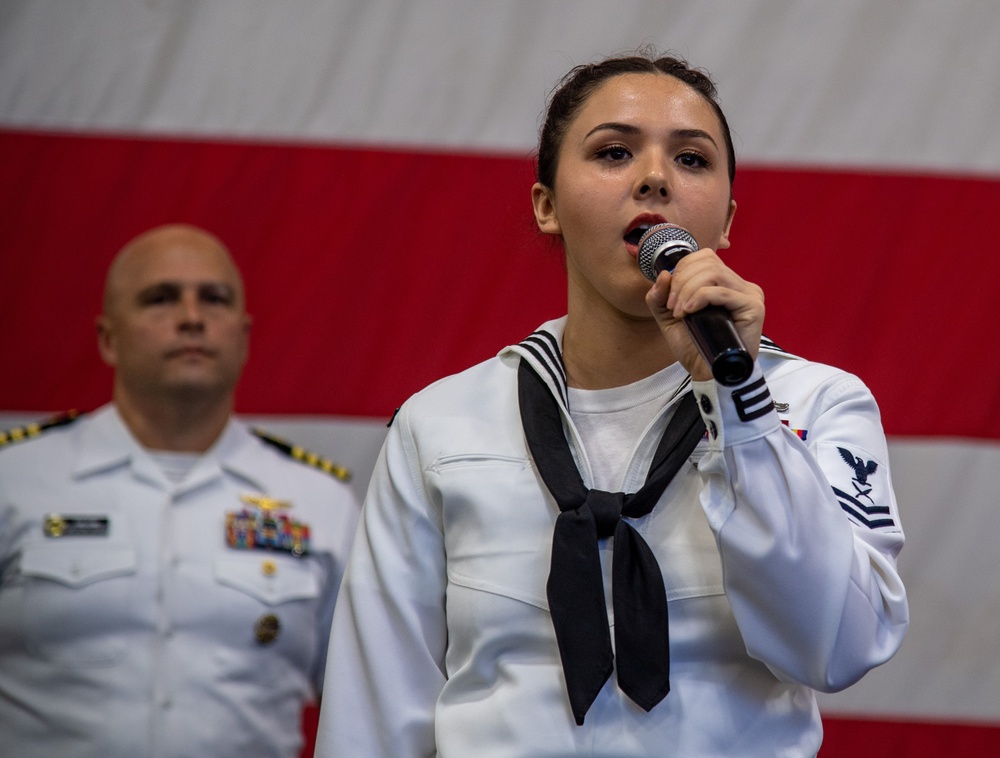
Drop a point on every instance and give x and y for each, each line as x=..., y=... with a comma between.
x=301, y=454
x=28, y=431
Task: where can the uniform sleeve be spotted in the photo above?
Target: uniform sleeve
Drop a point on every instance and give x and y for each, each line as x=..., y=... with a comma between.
x=808, y=530
x=341, y=533
x=386, y=660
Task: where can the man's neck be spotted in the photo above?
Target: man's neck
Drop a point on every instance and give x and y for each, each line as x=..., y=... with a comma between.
x=173, y=423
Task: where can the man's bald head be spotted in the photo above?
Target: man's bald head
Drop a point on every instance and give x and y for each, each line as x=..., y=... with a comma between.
x=174, y=326
x=157, y=242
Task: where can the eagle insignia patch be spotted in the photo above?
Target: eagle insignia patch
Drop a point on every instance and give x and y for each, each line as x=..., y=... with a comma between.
x=862, y=470
x=868, y=499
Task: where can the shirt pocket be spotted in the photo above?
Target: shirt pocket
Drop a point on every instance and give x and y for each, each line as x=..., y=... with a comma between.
x=74, y=601
x=269, y=580
x=266, y=607
x=498, y=524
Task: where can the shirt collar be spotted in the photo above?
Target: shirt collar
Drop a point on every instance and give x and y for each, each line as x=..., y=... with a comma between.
x=106, y=443
x=543, y=350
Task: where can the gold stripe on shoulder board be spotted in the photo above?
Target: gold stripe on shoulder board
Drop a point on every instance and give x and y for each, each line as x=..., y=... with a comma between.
x=305, y=456
x=19, y=433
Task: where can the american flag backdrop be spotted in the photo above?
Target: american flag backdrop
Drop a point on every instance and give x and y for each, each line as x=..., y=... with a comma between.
x=368, y=162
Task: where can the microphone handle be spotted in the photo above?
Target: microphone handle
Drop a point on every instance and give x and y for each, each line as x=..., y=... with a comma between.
x=715, y=335
x=712, y=330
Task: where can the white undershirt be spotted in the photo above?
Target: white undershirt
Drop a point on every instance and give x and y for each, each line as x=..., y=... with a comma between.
x=610, y=421
x=175, y=466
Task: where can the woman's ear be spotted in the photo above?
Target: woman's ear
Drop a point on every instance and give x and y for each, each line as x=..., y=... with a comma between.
x=545, y=210
x=724, y=239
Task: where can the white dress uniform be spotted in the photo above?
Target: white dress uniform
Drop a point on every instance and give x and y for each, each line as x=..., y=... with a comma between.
x=777, y=545
x=136, y=619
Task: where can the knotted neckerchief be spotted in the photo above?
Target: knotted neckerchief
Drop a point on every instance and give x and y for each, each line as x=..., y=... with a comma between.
x=576, y=588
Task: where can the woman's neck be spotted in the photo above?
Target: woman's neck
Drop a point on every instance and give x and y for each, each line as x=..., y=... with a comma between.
x=608, y=349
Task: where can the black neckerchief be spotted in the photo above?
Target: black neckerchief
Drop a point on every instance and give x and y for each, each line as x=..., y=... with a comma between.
x=575, y=587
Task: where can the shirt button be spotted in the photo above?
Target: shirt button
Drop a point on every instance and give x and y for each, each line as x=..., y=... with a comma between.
x=713, y=430
x=706, y=404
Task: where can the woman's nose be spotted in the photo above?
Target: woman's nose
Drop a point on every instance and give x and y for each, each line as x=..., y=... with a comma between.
x=653, y=180
x=654, y=187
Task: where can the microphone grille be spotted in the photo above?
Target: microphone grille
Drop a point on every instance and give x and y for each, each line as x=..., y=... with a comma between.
x=659, y=239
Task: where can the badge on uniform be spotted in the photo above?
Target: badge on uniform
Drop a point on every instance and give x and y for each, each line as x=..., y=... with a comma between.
x=861, y=484
x=59, y=525
x=264, y=525
x=266, y=629
x=800, y=433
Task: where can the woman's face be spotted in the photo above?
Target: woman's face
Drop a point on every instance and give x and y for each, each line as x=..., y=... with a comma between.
x=644, y=149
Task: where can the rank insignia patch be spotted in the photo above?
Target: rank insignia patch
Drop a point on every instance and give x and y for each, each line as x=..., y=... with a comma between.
x=861, y=485
x=265, y=526
x=862, y=470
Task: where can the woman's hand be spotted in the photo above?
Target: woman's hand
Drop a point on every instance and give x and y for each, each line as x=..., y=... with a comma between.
x=700, y=279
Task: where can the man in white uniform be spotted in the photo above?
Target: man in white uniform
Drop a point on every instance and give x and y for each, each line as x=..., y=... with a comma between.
x=167, y=575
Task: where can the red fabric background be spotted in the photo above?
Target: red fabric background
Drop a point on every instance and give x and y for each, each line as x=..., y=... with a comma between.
x=373, y=272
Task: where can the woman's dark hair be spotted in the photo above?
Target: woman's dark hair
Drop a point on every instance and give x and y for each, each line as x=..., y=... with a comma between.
x=574, y=89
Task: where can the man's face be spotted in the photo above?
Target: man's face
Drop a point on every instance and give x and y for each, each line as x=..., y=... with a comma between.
x=175, y=324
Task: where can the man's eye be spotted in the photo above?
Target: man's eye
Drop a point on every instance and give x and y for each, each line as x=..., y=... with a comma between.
x=216, y=296
x=157, y=298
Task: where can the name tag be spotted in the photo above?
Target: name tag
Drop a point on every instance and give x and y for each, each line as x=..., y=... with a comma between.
x=56, y=525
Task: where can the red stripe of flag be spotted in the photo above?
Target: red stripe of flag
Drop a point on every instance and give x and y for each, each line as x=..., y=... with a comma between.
x=857, y=738
x=372, y=272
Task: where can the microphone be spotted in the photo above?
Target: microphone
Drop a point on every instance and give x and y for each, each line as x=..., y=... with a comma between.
x=711, y=328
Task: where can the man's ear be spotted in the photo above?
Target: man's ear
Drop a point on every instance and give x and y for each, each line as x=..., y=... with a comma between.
x=105, y=340
x=544, y=206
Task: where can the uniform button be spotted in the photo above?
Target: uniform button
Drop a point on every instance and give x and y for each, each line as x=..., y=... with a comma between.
x=713, y=430
x=269, y=568
x=706, y=404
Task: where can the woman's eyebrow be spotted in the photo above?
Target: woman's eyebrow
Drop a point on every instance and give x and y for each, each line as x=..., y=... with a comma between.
x=616, y=126
x=694, y=134
x=613, y=126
